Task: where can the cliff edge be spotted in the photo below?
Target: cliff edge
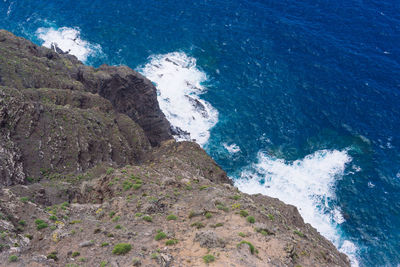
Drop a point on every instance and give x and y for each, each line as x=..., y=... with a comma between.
x=91, y=176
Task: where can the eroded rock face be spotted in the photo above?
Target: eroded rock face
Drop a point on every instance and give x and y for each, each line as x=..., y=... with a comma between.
x=60, y=116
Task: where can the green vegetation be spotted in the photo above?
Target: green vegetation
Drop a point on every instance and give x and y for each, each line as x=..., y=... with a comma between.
x=171, y=242
x=53, y=218
x=110, y=171
x=244, y=213
x=116, y=218
x=118, y=226
x=154, y=255
x=251, y=246
x=13, y=258
x=104, y=244
x=251, y=219
x=24, y=199
x=297, y=232
x=271, y=217
x=208, y=258
x=208, y=215
x=64, y=205
x=217, y=225
x=121, y=248
x=112, y=213
x=222, y=207
x=236, y=197
x=22, y=222
x=198, y=225
x=75, y=221
x=204, y=187
x=160, y=235
x=147, y=218
x=137, y=186
x=30, y=237
x=53, y=256
x=103, y=264
x=138, y=214
x=75, y=254
x=40, y=224
x=126, y=185
x=171, y=217
x=136, y=262
x=241, y=234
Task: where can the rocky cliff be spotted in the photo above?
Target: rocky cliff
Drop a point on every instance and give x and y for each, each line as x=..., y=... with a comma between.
x=90, y=176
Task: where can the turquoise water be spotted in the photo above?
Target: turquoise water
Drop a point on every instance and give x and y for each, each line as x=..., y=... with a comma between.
x=299, y=100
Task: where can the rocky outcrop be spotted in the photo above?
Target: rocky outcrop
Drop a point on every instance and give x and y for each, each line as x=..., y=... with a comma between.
x=60, y=116
x=89, y=175
x=26, y=65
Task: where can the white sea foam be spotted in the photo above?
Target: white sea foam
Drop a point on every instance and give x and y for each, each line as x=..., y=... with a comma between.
x=68, y=40
x=232, y=148
x=179, y=85
x=309, y=184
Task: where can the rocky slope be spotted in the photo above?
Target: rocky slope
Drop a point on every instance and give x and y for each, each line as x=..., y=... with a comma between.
x=90, y=176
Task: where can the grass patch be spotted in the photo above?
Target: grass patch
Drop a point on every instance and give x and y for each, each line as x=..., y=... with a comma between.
x=171, y=242
x=121, y=248
x=40, y=224
x=203, y=187
x=208, y=258
x=222, y=207
x=198, y=225
x=22, y=222
x=241, y=234
x=244, y=213
x=251, y=219
x=217, y=225
x=126, y=185
x=160, y=235
x=13, y=258
x=53, y=218
x=208, y=215
x=109, y=171
x=116, y=218
x=104, y=244
x=137, y=186
x=118, y=226
x=171, y=217
x=147, y=218
x=24, y=199
x=236, y=197
x=75, y=254
x=251, y=246
x=297, y=232
x=53, y=256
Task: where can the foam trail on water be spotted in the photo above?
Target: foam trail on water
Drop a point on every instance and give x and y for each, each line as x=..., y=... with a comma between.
x=232, y=148
x=179, y=86
x=69, y=41
x=308, y=184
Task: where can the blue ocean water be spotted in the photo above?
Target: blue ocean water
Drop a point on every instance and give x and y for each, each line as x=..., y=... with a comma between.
x=299, y=100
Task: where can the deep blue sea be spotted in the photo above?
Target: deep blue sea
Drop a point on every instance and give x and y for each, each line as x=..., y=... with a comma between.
x=298, y=100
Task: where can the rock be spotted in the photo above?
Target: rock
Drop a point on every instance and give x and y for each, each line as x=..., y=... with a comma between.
x=209, y=239
x=165, y=260
x=86, y=243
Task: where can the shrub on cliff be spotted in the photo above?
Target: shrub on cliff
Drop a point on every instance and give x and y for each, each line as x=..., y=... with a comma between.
x=121, y=248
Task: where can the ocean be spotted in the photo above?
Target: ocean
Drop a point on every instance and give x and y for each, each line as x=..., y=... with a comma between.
x=298, y=100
